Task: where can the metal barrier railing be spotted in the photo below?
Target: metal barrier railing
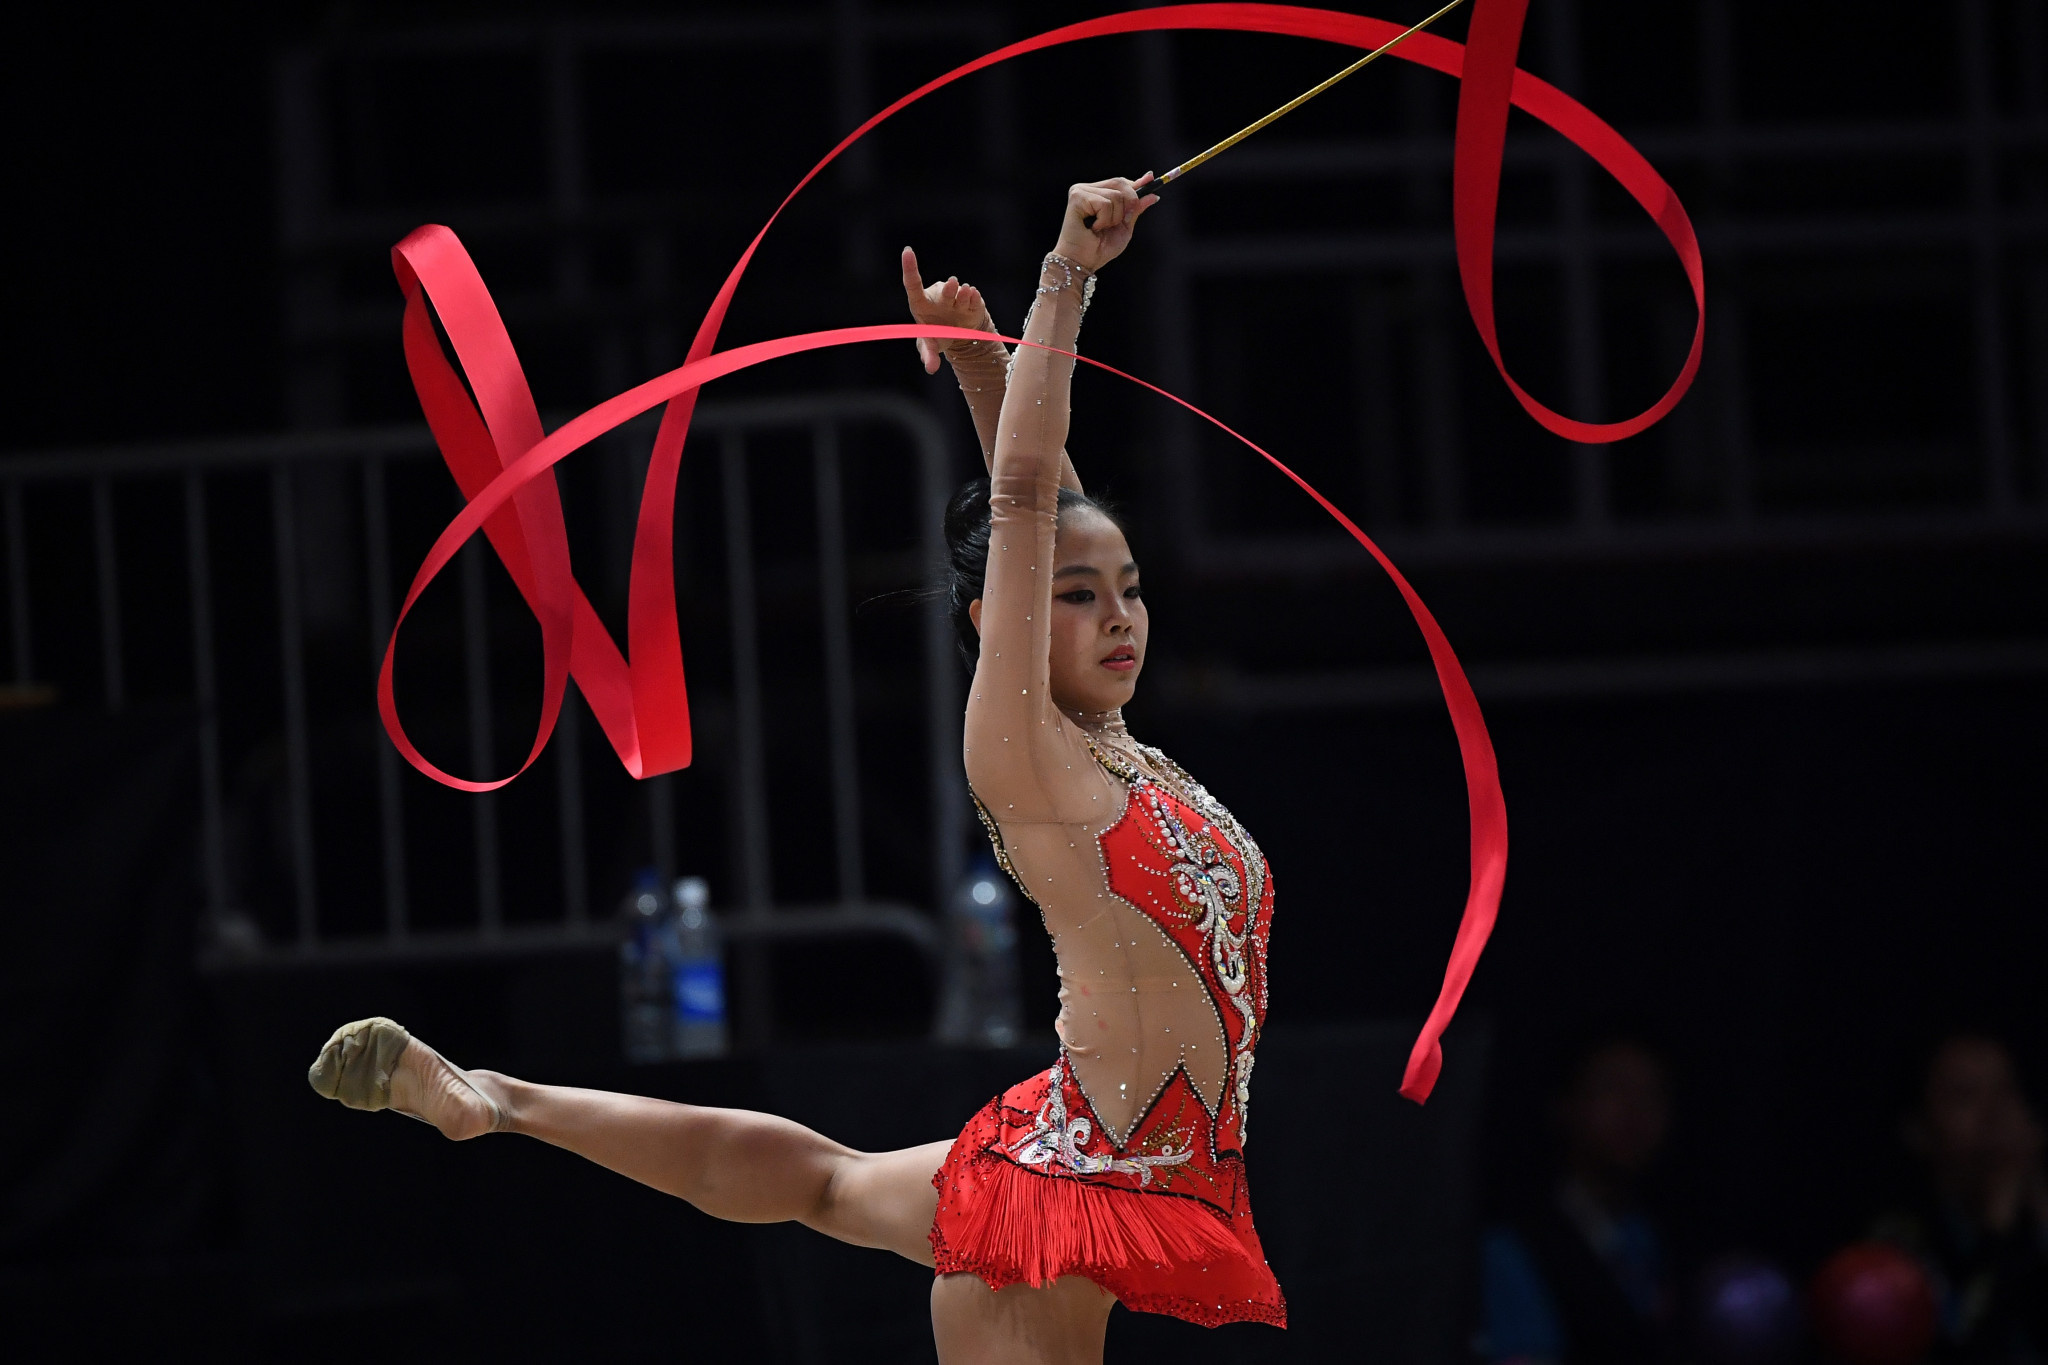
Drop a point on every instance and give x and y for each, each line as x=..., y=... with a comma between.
x=753, y=914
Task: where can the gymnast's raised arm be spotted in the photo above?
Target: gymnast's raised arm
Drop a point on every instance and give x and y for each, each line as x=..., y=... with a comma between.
x=1014, y=754
x=982, y=368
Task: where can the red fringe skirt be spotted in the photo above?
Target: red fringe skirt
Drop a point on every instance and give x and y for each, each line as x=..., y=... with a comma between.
x=1157, y=1250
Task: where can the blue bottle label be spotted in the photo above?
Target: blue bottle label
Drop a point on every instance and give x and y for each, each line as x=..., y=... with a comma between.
x=700, y=992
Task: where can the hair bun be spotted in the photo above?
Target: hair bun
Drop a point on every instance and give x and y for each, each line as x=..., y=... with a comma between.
x=967, y=513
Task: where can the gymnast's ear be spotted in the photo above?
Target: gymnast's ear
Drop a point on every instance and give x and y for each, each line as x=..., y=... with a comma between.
x=974, y=614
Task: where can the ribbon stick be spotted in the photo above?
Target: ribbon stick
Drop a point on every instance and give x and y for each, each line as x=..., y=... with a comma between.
x=1303, y=98
x=491, y=437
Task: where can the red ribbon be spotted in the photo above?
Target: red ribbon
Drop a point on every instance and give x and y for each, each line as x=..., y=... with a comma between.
x=503, y=462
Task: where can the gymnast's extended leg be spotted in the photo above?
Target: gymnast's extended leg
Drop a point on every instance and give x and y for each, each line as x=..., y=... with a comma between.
x=731, y=1163
x=735, y=1164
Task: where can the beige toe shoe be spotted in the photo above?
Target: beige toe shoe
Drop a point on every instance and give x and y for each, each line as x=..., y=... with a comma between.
x=355, y=1067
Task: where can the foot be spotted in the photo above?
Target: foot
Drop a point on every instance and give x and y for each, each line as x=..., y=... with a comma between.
x=375, y=1064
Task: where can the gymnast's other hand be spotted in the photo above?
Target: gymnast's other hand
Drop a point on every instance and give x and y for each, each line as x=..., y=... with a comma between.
x=1100, y=217
x=942, y=303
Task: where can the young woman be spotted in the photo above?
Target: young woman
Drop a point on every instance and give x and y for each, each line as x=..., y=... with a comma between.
x=1117, y=1174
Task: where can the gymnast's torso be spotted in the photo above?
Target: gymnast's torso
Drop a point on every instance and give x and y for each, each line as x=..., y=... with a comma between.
x=1159, y=905
x=1124, y=1160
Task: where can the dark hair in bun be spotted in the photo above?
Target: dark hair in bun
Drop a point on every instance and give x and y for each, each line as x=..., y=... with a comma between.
x=967, y=528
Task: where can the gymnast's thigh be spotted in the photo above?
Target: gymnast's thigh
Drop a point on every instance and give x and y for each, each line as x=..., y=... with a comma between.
x=884, y=1200
x=1065, y=1321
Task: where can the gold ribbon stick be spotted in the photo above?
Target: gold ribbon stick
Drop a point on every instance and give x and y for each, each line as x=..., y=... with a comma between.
x=1367, y=60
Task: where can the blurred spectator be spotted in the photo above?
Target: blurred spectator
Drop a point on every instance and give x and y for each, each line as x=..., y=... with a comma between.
x=1980, y=1222
x=1582, y=1276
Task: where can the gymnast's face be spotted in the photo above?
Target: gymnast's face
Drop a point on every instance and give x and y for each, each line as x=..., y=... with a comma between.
x=1099, y=622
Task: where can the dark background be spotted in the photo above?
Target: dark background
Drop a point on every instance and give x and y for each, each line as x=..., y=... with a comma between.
x=1765, y=682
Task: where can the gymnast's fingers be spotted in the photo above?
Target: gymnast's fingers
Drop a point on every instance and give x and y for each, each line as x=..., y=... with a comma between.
x=1098, y=209
x=913, y=283
x=1084, y=202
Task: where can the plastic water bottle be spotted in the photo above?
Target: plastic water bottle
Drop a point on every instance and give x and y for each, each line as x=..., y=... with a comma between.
x=698, y=974
x=980, y=1001
x=646, y=990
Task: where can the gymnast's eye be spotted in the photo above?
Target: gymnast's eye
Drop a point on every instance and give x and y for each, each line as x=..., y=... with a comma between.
x=1132, y=593
x=1080, y=597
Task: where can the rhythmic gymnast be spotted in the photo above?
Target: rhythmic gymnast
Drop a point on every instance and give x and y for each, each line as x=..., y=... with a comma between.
x=1117, y=1174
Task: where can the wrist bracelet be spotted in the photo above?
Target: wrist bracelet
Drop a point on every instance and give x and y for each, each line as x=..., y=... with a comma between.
x=1053, y=258
x=1071, y=266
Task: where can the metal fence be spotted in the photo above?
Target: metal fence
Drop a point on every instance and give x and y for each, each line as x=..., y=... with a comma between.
x=371, y=458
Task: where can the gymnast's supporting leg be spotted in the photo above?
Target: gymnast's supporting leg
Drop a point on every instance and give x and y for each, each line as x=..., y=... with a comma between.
x=1065, y=1323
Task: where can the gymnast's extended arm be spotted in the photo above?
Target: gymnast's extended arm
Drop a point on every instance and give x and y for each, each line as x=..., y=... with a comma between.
x=1016, y=760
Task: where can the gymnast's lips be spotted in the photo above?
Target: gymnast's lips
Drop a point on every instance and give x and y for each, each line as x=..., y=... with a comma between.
x=1123, y=659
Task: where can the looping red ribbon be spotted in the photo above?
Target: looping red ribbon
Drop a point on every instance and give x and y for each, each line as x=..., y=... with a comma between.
x=503, y=461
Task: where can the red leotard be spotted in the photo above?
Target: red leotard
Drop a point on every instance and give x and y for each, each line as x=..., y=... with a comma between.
x=1038, y=1186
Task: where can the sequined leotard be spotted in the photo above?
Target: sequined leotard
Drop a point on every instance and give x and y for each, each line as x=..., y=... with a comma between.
x=1123, y=1162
